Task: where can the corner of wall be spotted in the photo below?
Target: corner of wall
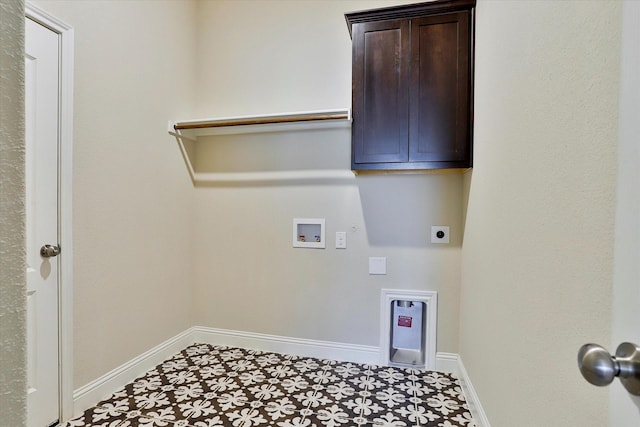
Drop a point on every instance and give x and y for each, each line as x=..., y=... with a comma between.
x=13, y=375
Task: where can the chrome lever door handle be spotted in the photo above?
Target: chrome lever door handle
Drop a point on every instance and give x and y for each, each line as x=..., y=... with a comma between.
x=48, y=251
x=600, y=368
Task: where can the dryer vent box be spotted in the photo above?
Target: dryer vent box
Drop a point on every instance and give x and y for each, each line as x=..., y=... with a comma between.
x=407, y=332
x=408, y=328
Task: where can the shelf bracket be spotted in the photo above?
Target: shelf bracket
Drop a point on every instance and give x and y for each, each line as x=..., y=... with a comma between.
x=183, y=150
x=187, y=133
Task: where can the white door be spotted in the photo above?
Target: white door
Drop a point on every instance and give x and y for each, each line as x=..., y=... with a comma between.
x=42, y=148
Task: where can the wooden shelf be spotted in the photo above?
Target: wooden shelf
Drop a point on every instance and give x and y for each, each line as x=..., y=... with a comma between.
x=187, y=133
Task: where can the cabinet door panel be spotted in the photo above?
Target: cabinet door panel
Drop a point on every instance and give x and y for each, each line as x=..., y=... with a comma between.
x=439, y=124
x=380, y=92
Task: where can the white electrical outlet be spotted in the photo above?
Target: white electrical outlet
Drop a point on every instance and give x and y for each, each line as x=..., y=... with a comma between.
x=341, y=240
x=439, y=234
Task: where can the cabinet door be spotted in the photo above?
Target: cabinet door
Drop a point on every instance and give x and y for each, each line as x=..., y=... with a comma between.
x=440, y=90
x=380, y=92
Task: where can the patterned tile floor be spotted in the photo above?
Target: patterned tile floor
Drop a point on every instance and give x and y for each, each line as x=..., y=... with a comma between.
x=207, y=386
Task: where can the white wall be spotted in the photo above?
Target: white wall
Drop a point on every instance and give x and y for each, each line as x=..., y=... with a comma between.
x=281, y=56
x=12, y=216
x=626, y=285
x=258, y=57
x=250, y=278
x=538, y=247
x=134, y=70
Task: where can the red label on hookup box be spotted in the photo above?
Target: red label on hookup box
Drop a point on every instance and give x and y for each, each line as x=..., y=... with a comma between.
x=404, y=321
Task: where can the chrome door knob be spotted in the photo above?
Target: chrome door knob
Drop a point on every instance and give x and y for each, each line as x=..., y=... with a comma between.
x=600, y=368
x=596, y=365
x=48, y=251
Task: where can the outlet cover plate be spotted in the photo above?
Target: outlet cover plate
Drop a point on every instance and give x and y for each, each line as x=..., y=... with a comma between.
x=437, y=231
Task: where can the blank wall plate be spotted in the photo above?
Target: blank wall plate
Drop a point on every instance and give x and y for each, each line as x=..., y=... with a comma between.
x=439, y=234
x=378, y=265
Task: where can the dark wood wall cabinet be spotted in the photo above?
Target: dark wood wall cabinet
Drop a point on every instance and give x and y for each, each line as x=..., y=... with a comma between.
x=413, y=86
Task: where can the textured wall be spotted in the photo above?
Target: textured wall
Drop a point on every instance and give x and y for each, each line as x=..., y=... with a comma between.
x=538, y=245
x=12, y=256
x=132, y=197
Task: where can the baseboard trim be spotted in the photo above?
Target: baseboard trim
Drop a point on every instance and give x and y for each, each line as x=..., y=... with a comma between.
x=280, y=344
x=101, y=388
x=475, y=407
x=447, y=362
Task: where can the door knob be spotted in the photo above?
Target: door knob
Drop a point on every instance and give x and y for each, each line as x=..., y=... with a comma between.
x=48, y=251
x=600, y=368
